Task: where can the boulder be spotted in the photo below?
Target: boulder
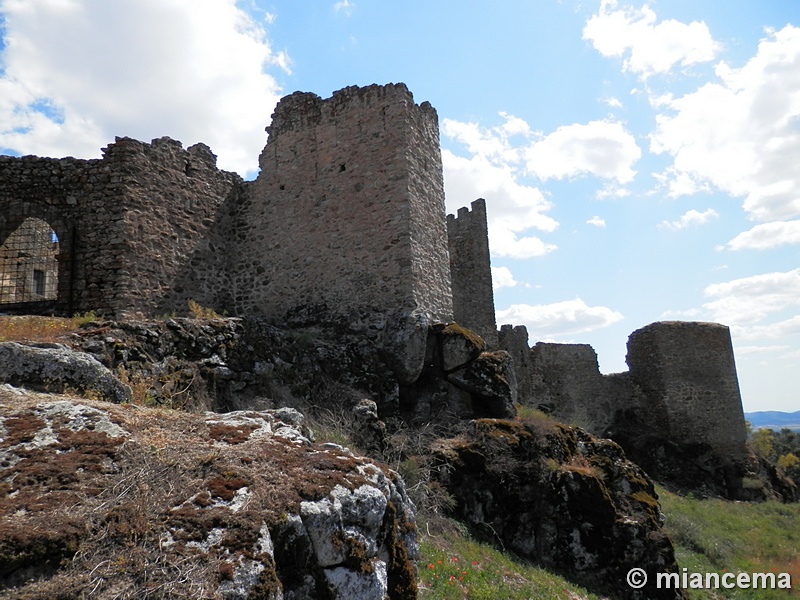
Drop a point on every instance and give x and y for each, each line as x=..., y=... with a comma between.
x=102, y=500
x=458, y=346
x=404, y=343
x=491, y=381
x=57, y=368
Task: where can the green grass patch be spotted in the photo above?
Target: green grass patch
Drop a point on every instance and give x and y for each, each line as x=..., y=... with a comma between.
x=456, y=567
x=740, y=537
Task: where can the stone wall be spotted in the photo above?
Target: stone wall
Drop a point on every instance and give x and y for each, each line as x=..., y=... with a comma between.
x=82, y=202
x=347, y=214
x=174, y=249
x=681, y=385
x=126, y=224
x=566, y=380
x=677, y=411
x=28, y=264
x=348, y=210
x=470, y=271
x=514, y=340
x=688, y=373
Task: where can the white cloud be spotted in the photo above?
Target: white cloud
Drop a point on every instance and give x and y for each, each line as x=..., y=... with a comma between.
x=501, y=157
x=558, y=319
x=740, y=134
x=344, y=6
x=767, y=235
x=597, y=222
x=771, y=331
x=691, y=218
x=79, y=72
x=600, y=148
x=648, y=47
x=493, y=172
x=751, y=299
x=749, y=350
x=513, y=209
x=502, y=277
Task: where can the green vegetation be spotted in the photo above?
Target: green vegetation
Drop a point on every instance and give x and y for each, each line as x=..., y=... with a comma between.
x=780, y=447
x=718, y=535
x=710, y=536
x=456, y=567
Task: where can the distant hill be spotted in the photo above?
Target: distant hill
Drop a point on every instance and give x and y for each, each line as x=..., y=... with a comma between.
x=774, y=419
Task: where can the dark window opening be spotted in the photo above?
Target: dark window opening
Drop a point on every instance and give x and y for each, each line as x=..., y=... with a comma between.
x=39, y=282
x=29, y=263
x=342, y=168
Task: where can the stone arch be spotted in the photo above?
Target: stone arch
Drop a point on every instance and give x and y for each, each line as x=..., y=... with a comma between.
x=35, y=261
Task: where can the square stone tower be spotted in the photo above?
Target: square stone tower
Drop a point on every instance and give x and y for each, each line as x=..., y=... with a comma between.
x=471, y=271
x=348, y=210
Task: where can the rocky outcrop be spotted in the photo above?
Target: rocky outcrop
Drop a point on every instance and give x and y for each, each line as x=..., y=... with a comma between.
x=460, y=379
x=57, y=368
x=231, y=364
x=560, y=497
x=228, y=364
x=108, y=501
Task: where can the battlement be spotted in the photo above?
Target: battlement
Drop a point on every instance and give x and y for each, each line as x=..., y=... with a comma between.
x=302, y=110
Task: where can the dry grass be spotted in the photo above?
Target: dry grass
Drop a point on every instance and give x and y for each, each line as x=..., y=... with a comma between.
x=199, y=311
x=40, y=329
x=122, y=499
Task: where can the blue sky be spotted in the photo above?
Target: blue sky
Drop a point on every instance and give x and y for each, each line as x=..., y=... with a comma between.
x=640, y=161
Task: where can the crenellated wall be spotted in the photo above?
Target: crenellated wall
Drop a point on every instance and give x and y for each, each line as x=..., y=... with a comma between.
x=347, y=213
x=677, y=410
x=346, y=218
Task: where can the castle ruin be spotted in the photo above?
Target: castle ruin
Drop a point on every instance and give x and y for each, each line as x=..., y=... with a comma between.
x=346, y=219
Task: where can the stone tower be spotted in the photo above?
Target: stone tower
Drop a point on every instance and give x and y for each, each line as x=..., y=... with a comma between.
x=348, y=210
x=688, y=374
x=471, y=272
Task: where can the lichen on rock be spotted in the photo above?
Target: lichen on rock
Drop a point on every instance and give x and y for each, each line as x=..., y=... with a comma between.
x=104, y=500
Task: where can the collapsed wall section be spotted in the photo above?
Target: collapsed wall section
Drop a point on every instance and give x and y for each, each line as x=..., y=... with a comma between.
x=471, y=272
x=174, y=249
x=688, y=373
x=348, y=210
x=566, y=380
x=514, y=340
x=126, y=225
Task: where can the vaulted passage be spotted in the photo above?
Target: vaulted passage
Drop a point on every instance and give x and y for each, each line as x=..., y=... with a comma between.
x=29, y=263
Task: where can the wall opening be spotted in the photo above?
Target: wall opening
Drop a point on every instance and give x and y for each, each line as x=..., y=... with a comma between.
x=29, y=264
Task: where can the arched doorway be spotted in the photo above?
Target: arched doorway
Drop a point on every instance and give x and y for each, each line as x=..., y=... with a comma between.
x=29, y=264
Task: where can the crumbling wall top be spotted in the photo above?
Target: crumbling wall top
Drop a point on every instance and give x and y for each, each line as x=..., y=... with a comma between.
x=304, y=109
